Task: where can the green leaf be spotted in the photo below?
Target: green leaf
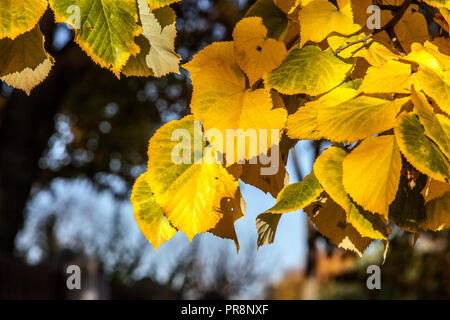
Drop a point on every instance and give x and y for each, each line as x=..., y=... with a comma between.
x=308, y=70
x=298, y=195
x=149, y=215
x=419, y=150
x=24, y=62
x=20, y=16
x=107, y=29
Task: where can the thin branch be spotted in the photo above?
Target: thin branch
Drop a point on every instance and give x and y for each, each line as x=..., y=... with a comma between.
x=388, y=27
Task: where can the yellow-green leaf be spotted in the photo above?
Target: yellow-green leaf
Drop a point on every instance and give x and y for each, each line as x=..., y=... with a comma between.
x=154, y=4
x=358, y=118
x=372, y=173
x=437, y=126
x=20, y=16
x=308, y=70
x=320, y=18
x=148, y=214
x=297, y=196
x=188, y=192
x=435, y=86
x=419, y=150
x=255, y=53
x=24, y=62
x=107, y=29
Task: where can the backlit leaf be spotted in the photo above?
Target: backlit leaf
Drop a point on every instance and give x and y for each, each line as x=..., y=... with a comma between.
x=308, y=70
x=107, y=29
x=189, y=193
x=372, y=173
x=274, y=19
x=438, y=214
x=320, y=18
x=20, y=16
x=392, y=76
x=266, y=226
x=434, y=86
x=419, y=150
x=256, y=54
x=148, y=213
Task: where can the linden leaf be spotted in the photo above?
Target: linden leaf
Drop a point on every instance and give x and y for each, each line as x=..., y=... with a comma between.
x=308, y=70
x=232, y=210
x=373, y=52
x=419, y=150
x=219, y=85
x=189, y=192
x=25, y=63
x=358, y=118
x=148, y=214
x=256, y=54
x=411, y=28
x=107, y=29
x=320, y=18
x=393, y=76
x=20, y=16
x=437, y=126
x=435, y=86
x=434, y=189
x=274, y=19
x=330, y=220
x=162, y=55
x=328, y=169
x=303, y=123
x=154, y=4
x=428, y=55
x=372, y=173
x=439, y=3
x=438, y=215
x=266, y=226
x=297, y=196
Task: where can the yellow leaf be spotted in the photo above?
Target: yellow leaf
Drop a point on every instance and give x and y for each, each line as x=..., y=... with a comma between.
x=154, y=4
x=372, y=173
x=437, y=126
x=411, y=28
x=188, y=192
x=439, y=3
x=330, y=220
x=20, y=16
x=24, y=62
x=148, y=214
x=255, y=53
x=219, y=85
x=438, y=214
x=428, y=55
x=308, y=70
x=303, y=123
x=434, y=86
x=358, y=118
x=392, y=77
x=434, y=189
x=320, y=18
x=419, y=150
x=328, y=169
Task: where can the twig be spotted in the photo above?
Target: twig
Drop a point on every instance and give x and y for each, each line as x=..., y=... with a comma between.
x=388, y=27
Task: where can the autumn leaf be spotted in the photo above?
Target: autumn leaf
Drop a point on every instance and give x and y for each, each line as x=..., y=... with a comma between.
x=393, y=76
x=20, y=16
x=25, y=63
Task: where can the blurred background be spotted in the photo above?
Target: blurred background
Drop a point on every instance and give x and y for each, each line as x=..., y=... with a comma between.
x=69, y=155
